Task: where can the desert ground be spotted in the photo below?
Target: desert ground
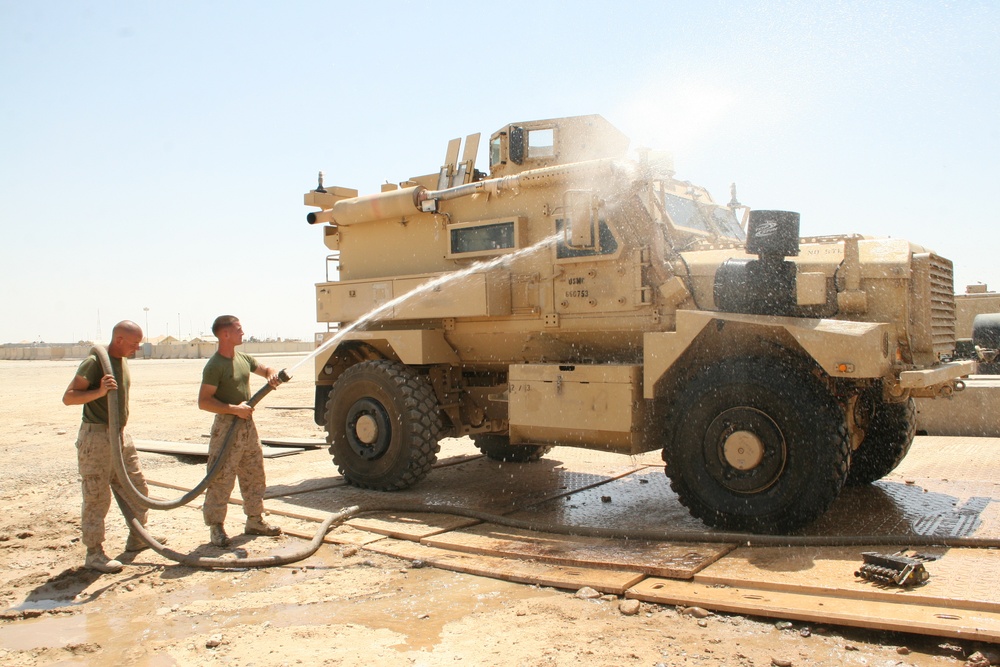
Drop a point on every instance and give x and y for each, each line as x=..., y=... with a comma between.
x=345, y=605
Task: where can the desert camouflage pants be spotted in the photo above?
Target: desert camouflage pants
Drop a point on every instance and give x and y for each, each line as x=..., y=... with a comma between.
x=244, y=461
x=97, y=477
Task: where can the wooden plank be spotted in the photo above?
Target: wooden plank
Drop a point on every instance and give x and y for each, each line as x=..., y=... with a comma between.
x=520, y=571
x=339, y=535
x=280, y=508
x=657, y=558
x=411, y=526
x=305, y=486
x=872, y=614
x=177, y=448
x=311, y=443
x=201, y=449
x=956, y=578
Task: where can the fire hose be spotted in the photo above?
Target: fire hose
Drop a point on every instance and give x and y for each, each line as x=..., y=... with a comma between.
x=713, y=537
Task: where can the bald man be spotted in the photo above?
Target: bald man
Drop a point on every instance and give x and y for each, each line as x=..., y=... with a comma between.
x=89, y=388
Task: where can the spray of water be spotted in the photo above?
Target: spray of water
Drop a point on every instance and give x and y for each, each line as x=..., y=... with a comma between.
x=377, y=312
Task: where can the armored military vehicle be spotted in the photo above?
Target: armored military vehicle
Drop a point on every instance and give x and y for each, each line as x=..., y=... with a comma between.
x=581, y=295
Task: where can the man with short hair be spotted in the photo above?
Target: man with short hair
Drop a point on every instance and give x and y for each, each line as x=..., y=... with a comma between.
x=89, y=388
x=224, y=391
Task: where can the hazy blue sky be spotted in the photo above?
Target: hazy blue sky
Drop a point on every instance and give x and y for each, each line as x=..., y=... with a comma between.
x=154, y=155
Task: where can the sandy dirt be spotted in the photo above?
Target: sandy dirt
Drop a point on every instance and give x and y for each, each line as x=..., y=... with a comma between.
x=344, y=605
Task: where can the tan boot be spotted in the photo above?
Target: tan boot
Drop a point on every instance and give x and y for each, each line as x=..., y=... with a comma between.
x=217, y=534
x=257, y=526
x=98, y=560
x=136, y=543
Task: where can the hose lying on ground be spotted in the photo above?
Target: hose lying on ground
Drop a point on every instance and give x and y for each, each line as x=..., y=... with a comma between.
x=230, y=563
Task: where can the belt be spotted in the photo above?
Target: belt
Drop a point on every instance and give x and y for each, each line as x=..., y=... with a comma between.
x=87, y=426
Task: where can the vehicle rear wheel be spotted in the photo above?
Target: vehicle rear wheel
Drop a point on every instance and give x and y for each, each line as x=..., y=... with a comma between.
x=757, y=445
x=498, y=448
x=383, y=425
x=887, y=441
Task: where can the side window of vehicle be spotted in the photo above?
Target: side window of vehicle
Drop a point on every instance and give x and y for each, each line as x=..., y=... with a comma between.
x=607, y=243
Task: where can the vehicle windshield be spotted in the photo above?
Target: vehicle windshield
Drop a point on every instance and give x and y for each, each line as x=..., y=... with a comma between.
x=707, y=218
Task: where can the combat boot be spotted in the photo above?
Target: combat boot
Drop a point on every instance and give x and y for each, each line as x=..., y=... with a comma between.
x=217, y=534
x=98, y=560
x=136, y=543
x=257, y=526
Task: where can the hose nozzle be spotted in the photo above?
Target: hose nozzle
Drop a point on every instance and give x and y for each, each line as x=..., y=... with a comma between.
x=267, y=388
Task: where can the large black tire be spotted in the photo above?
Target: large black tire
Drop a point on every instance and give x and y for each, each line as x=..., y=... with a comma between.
x=890, y=433
x=498, y=448
x=757, y=445
x=383, y=424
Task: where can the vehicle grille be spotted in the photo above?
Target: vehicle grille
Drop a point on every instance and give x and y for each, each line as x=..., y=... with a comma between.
x=932, y=308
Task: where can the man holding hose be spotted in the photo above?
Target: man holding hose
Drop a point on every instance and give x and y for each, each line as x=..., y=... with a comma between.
x=225, y=390
x=89, y=388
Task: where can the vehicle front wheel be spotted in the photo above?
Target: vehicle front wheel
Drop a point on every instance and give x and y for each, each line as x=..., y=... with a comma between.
x=383, y=424
x=757, y=445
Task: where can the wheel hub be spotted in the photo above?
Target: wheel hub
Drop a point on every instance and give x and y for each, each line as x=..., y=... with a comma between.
x=743, y=450
x=366, y=429
x=369, y=430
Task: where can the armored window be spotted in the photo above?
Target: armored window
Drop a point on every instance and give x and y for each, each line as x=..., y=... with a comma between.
x=541, y=143
x=485, y=237
x=495, y=151
x=606, y=245
x=726, y=220
x=708, y=218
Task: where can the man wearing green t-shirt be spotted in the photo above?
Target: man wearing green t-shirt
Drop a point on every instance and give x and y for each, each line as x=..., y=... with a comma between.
x=89, y=388
x=225, y=390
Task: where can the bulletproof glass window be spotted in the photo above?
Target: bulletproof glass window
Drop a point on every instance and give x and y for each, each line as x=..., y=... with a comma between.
x=711, y=219
x=495, y=151
x=607, y=244
x=541, y=143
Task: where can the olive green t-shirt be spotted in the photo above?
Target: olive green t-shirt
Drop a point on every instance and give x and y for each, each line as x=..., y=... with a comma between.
x=96, y=412
x=230, y=377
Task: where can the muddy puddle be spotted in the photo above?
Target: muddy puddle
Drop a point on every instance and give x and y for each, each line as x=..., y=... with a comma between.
x=174, y=606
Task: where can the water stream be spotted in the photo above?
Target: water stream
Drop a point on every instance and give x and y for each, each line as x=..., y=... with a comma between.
x=430, y=285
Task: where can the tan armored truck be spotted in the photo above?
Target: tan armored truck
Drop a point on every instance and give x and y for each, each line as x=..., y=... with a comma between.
x=579, y=296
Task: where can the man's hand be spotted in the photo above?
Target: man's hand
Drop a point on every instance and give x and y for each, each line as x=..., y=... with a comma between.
x=243, y=410
x=108, y=383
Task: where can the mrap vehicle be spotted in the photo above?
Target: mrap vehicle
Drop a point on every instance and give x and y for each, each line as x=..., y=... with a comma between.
x=579, y=295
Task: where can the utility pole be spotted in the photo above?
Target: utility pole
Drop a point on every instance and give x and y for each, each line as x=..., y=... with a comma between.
x=147, y=323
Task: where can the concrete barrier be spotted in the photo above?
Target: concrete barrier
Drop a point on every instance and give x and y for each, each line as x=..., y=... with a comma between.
x=179, y=350
x=974, y=412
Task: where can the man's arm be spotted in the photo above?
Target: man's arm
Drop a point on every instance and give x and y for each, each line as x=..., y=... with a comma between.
x=269, y=373
x=209, y=403
x=78, y=391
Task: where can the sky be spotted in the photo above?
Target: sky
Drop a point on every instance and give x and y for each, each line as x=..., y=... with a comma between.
x=153, y=156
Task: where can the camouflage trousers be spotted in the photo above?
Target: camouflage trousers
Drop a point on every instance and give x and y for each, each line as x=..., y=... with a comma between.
x=97, y=478
x=244, y=461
